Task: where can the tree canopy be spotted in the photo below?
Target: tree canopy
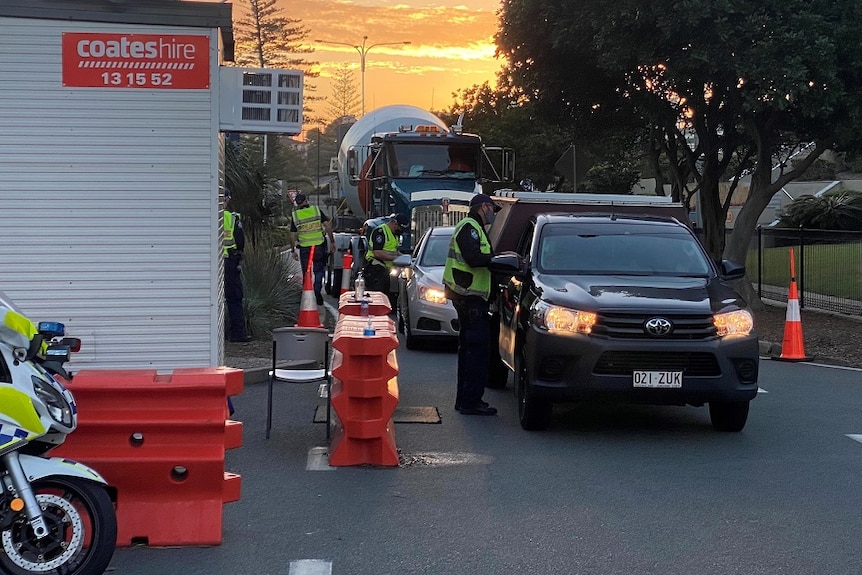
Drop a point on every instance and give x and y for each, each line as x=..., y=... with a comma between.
x=719, y=90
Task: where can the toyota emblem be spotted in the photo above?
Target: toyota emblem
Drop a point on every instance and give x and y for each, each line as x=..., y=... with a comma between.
x=658, y=326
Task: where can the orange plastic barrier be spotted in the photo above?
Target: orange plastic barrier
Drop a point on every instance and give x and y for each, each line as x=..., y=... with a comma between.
x=160, y=440
x=378, y=303
x=364, y=392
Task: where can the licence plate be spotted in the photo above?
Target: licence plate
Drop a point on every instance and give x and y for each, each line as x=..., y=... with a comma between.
x=657, y=379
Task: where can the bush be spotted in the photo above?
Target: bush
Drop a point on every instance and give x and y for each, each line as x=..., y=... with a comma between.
x=271, y=295
x=832, y=211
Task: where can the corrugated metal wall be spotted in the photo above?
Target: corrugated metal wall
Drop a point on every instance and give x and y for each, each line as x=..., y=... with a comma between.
x=109, y=205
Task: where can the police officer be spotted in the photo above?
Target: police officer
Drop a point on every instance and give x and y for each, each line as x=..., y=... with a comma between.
x=382, y=249
x=468, y=284
x=307, y=228
x=234, y=244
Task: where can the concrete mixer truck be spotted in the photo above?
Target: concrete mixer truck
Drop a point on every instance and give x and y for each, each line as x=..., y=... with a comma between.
x=402, y=159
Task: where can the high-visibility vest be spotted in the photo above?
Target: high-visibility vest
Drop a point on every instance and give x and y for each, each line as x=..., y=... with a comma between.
x=230, y=219
x=309, y=230
x=390, y=245
x=480, y=284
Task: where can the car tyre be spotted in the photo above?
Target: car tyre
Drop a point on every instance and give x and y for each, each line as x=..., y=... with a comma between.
x=410, y=340
x=728, y=415
x=534, y=413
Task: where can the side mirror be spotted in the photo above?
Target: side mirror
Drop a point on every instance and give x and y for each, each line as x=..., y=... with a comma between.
x=731, y=270
x=507, y=264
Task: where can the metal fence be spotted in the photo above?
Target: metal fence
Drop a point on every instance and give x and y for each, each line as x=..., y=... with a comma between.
x=828, y=267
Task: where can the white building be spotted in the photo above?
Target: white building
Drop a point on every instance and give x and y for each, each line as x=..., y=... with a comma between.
x=111, y=173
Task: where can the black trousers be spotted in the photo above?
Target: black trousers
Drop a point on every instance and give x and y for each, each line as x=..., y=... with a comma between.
x=233, y=296
x=473, y=350
x=376, y=278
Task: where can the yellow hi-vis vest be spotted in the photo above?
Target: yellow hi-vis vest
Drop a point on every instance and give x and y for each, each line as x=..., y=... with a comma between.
x=480, y=285
x=229, y=243
x=309, y=230
x=390, y=245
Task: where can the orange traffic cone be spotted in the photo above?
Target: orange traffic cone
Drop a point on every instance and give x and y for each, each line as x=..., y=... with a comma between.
x=308, y=314
x=792, y=348
x=346, y=269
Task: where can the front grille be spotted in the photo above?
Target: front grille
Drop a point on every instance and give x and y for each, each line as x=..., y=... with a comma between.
x=631, y=326
x=695, y=364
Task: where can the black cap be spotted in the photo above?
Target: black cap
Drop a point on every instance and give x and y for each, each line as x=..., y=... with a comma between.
x=480, y=199
x=403, y=221
x=300, y=199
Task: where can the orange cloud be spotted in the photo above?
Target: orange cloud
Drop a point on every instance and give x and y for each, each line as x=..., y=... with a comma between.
x=451, y=47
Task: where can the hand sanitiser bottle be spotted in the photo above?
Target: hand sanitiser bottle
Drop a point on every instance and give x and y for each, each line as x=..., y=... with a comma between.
x=359, y=287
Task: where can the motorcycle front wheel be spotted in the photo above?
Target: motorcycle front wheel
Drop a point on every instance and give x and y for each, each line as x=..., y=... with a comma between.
x=82, y=527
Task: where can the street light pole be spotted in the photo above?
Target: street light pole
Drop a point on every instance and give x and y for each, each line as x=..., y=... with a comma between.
x=362, y=49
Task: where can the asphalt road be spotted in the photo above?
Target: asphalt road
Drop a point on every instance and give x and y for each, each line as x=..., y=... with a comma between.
x=607, y=490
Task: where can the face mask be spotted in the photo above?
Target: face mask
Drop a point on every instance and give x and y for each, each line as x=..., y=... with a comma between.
x=490, y=216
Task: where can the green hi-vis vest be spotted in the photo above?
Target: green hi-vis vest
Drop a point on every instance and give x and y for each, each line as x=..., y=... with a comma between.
x=390, y=245
x=309, y=231
x=480, y=284
x=229, y=225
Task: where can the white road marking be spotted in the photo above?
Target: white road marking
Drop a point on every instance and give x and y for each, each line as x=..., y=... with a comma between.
x=855, y=437
x=761, y=390
x=318, y=460
x=321, y=391
x=310, y=567
x=844, y=367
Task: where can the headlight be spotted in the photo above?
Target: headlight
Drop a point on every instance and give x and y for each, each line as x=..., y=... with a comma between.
x=432, y=294
x=58, y=408
x=732, y=323
x=562, y=319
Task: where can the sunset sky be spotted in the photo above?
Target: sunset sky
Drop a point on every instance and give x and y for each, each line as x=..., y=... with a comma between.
x=451, y=46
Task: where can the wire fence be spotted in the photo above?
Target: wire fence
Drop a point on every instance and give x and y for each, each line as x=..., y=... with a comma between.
x=828, y=267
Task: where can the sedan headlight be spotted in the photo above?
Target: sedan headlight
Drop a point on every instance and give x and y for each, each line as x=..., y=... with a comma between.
x=739, y=322
x=562, y=319
x=431, y=294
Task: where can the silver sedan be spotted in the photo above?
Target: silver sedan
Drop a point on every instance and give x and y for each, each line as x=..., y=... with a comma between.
x=424, y=313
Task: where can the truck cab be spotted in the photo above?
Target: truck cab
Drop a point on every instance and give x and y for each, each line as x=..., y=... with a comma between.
x=425, y=171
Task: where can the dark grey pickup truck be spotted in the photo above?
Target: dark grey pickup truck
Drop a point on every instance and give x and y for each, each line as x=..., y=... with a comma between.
x=624, y=306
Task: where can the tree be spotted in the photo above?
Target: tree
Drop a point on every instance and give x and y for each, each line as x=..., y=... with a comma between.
x=503, y=118
x=344, y=101
x=254, y=192
x=265, y=38
x=721, y=89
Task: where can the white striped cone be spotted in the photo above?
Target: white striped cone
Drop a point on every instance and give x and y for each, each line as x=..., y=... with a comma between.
x=308, y=314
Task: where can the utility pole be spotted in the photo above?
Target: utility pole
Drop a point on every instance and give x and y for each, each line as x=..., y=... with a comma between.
x=362, y=49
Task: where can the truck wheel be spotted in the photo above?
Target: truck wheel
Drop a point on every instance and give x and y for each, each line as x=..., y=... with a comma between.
x=728, y=415
x=534, y=413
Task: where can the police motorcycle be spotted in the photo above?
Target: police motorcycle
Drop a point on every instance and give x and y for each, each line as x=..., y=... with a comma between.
x=56, y=515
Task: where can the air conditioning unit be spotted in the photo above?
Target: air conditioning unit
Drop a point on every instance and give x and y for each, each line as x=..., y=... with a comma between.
x=260, y=100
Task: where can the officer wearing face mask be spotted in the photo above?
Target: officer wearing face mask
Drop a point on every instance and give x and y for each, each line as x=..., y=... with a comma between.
x=468, y=284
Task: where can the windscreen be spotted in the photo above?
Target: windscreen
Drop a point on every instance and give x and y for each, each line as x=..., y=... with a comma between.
x=570, y=249
x=433, y=161
x=435, y=251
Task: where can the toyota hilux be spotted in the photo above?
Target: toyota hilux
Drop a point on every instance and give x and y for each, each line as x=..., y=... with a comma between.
x=625, y=308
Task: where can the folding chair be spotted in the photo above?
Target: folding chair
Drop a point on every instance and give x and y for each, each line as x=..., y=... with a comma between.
x=293, y=350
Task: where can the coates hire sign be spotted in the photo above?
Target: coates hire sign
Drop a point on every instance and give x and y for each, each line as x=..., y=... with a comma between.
x=151, y=61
